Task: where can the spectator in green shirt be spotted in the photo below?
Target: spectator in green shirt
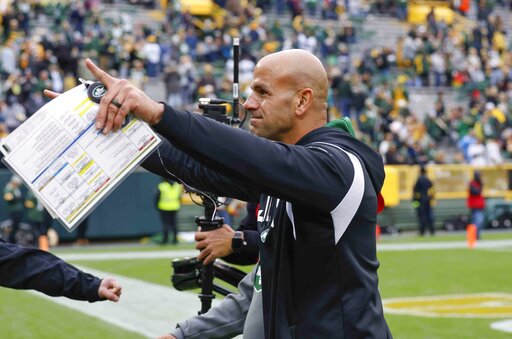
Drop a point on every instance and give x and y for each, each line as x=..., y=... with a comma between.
x=13, y=198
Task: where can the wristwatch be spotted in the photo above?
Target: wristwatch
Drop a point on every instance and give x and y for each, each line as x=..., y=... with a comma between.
x=237, y=243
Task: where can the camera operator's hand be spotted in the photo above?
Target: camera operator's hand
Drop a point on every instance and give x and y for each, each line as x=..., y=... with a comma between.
x=121, y=99
x=214, y=244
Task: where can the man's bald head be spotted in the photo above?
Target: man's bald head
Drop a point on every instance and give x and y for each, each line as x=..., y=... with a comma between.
x=300, y=69
x=289, y=96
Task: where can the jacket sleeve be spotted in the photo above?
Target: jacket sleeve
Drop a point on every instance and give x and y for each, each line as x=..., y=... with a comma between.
x=295, y=173
x=249, y=254
x=225, y=320
x=170, y=162
x=29, y=268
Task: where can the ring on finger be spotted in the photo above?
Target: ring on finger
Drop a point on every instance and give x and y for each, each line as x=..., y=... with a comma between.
x=115, y=103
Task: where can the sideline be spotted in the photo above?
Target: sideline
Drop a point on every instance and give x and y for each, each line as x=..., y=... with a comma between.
x=443, y=245
x=144, y=308
x=100, y=256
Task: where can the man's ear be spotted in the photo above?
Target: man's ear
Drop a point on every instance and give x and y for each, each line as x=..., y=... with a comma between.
x=304, y=100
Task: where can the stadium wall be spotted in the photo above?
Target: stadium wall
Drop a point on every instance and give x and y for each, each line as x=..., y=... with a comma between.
x=128, y=212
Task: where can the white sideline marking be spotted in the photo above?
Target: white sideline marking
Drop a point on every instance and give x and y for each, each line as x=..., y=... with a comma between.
x=499, y=249
x=442, y=245
x=100, y=256
x=145, y=308
x=504, y=326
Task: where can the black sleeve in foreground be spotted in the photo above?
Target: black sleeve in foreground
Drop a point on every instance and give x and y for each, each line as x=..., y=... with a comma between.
x=30, y=268
x=193, y=173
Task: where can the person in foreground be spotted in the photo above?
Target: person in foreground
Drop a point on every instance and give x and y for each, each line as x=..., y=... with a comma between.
x=317, y=187
x=29, y=268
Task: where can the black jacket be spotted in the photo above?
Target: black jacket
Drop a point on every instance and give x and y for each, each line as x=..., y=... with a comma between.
x=30, y=268
x=316, y=219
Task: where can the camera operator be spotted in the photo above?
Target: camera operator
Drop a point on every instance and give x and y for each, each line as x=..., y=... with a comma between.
x=317, y=187
x=30, y=268
x=238, y=247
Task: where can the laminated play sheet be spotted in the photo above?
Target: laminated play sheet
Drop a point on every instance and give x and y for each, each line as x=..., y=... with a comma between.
x=70, y=165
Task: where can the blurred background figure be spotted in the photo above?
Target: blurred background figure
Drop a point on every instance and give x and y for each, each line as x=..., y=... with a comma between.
x=222, y=210
x=476, y=202
x=168, y=203
x=13, y=198
x=172, y=79
x=81, y=238
x=151, y=52
x=35, y=214
x=423, y=196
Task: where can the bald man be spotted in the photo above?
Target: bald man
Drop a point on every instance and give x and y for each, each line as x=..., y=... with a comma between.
x=317, y=188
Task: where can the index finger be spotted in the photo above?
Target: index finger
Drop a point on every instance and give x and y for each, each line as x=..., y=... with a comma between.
x=50, y=94
x=199, y=236
x=100, y=74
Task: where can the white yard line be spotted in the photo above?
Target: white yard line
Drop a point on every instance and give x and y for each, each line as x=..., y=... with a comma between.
x=145, y=308
x=442, y=245
x=100, y=256
x=503, y=325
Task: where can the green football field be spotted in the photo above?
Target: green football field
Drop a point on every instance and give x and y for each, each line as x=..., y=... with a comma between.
x=452, y=292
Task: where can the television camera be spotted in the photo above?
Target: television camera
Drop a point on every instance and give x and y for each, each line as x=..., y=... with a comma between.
x=190, y=273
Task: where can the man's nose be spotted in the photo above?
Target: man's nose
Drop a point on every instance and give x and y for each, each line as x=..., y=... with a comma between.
x=250, y=103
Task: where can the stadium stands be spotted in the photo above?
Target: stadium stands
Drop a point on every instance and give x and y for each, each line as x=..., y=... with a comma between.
x=428, y=92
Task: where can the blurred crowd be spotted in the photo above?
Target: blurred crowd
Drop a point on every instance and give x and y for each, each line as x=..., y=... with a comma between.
x=472, y=59
x=399, y=8
x=44, y=45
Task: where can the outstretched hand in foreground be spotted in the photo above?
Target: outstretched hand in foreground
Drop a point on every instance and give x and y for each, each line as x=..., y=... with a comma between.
x=110, y=289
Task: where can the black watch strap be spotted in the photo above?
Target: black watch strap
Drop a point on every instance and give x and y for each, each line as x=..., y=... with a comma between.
x=237, y=243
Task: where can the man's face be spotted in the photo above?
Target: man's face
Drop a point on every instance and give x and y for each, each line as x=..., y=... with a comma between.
x=271, y=104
